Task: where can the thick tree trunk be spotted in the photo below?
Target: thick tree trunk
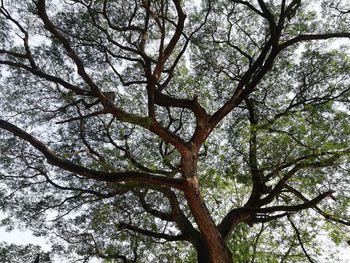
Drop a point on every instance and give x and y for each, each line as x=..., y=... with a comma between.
x=202, y=253
x=217, y=249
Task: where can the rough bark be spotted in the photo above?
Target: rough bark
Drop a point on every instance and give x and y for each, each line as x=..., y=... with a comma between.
x=202, y=252
x=216, y=247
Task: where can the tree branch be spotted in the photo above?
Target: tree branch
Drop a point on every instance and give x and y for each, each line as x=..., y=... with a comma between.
x=294, y=208
x=246, y=214
x=308, y=37
x=150, y=233
x=149, y=209
x=41, y=74
x=41, y=6
x=320, y=211
x=300, y=241
x=67, y=165
x=250, y=6
x=279, y=186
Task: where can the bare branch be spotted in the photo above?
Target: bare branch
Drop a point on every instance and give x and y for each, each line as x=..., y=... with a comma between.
x=294, y=208
x=302, y=165
x=80, y=118
x=250, y=6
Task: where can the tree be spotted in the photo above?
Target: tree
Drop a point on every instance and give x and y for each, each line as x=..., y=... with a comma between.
x=175, y=131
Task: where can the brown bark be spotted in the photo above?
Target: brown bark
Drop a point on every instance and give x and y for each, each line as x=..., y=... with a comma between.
x=218, y=251
x=202, y=252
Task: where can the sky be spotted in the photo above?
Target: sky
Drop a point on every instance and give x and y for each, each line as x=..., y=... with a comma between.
x=20, y=237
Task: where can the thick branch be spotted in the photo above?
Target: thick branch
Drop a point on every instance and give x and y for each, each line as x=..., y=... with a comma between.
x=149, y=209
x=181, y=220
x=231, y=220
x=294, y=208
x=250, y=6
x=202, y=118
x=163, y=56
x=238, y=215
x=308, y=37
x=320, y=211
x=193, y=105
x=150, y=233
x=67, y=165
x=256, y=175
x=176, y=215
x=267, y=13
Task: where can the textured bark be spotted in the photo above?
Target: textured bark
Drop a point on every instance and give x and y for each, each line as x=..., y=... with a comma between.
x=202, y=253
x=216, y=247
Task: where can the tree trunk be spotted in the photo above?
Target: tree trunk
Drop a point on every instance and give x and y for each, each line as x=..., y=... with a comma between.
x=217, y=249
x=202, y=252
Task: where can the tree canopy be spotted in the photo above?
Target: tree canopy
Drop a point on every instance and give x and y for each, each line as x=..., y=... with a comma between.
x=176, y=131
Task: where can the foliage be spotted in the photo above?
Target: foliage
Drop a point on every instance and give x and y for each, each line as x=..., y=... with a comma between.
x=17, y=254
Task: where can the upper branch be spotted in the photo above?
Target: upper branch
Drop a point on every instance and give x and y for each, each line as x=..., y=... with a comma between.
x=295, y=208
x=41, y=6
x=32, y=67
x=267, y=56
x=290, y=11
x=250, y=6
x=163, y=57
x=249, y=80
x=267, y=13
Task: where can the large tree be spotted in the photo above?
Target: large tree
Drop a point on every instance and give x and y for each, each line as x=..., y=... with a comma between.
x=176, y=131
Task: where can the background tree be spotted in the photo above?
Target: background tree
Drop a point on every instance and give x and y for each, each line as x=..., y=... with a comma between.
x=18, y=254
x=131, y=129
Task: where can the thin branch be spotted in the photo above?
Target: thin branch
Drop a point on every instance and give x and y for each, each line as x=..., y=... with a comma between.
x=300, y=241
x=74, y=189
x=83, y=117
x=302, y=165
x=256, y=242
x=41, y=74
